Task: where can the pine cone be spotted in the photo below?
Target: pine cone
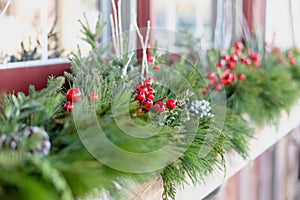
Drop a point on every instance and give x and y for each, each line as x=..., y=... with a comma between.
x=200, y=108
x=3, y=138
x=43, y=144
x=13, y=142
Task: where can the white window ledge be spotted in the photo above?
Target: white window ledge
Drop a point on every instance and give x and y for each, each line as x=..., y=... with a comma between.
x=34, y=63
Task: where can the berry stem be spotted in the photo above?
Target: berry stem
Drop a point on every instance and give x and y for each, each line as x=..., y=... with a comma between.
x=160, y=100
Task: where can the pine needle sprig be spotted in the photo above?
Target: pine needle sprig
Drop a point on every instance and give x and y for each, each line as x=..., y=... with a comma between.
x=90, y=36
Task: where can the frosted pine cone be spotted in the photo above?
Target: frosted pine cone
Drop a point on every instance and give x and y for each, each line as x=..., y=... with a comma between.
x=10, y=142
x=42, y=144
x=200, y=108
x=3, y=138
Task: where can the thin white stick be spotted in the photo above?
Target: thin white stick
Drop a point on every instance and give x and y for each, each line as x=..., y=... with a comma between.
x=145, y=44
x=127, y=64
x=120, y=26
x=142, y=43
x=113, y=35
x=8, y=2
x=139, y=33
x=116, y=24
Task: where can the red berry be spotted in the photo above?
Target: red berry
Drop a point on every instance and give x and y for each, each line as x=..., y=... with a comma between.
x=171, y=103
x=238, y=52
x=156, y=67
x=147, y=103
x=255, y=57
x=68, y=106
x=234, y=58
x=211, y=83
x=280, y=59
x=148, y=48
x=276, y=50
x=290, y=54
x=226, y=57
x=150, y=96
x=143, y=89
x=148, y=82
x=248, y=61
x=204, y=91
x=226, y=81
x=139, y=111
x=211, y=75
x=231, y=64
x=239, y=45
x=218, y=87
x=221, y=63
x=138, y=87
x=73, y=95
x=241, y=77
x=159, y=106
x=150, y=58
x=233, y=76
x=140, y=96
x=93, y=96
x=226, y=71
x=151, y=91
x=293, y=61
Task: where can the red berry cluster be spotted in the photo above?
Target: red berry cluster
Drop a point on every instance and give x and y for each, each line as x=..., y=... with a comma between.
x=291, y=58
x=231, y=61
x=73, y=95
x=228, y=63
x=151, y=59
x=145, y=94
x=275, y=51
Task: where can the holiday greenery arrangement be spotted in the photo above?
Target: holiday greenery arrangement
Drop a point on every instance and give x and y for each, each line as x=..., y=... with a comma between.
x=50, y=143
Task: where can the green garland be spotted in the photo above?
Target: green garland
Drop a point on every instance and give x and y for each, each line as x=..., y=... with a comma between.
x=69, y=171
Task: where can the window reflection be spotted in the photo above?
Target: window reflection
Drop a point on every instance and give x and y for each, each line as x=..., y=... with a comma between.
x=25, y=25
x=193, y=16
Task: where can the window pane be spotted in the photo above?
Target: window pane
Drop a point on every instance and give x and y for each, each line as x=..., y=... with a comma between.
x=181, y=15
x=69, y=12
x=21, y=23
x=278, y=26
x=29, y=25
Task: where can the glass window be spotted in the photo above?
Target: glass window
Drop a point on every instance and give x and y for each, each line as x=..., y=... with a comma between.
x=32, y=29
x=278, y=26
x=193, y=16
x=50, y=28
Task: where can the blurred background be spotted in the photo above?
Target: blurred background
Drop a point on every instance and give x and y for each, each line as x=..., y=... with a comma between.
x=52, y=25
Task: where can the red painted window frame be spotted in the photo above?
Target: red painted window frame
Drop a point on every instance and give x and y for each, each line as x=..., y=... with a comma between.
x=13, y=80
